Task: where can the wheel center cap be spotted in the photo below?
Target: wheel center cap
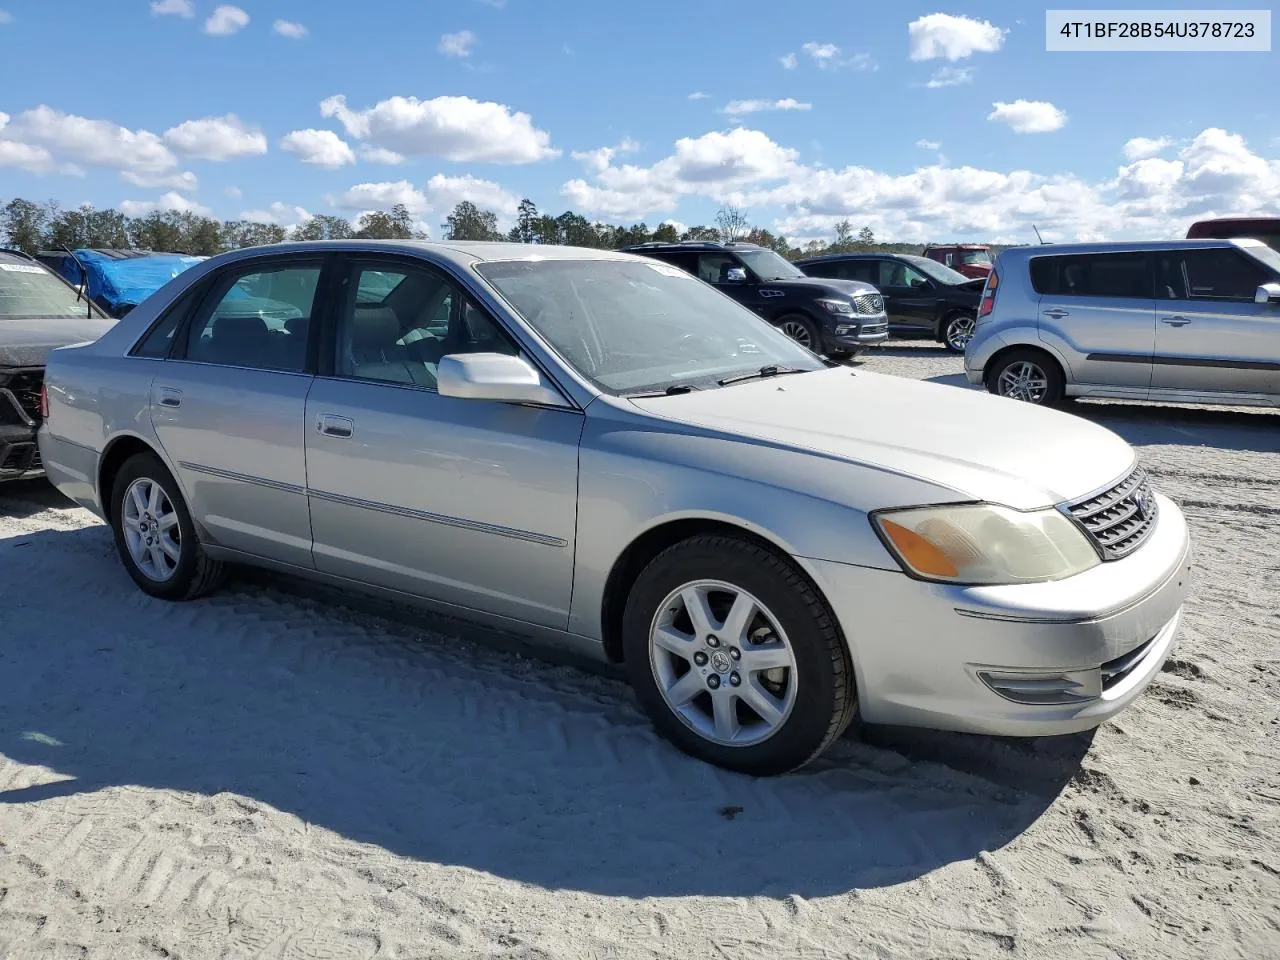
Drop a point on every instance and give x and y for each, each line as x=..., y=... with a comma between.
x=720, y=662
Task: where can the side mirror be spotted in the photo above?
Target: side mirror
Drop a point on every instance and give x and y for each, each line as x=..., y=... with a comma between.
x=493, y=376
x=735, y=275
x=918, y=284
x=1268, y=293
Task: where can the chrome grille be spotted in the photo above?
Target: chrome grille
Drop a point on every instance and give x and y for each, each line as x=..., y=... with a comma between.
x=1120, y=519
x=869, y=303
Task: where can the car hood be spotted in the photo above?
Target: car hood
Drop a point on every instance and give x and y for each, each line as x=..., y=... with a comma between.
x=27, y=343
x=820, y=287
x=979, y=446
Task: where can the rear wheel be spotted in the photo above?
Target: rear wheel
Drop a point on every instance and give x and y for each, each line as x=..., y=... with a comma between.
x=154, y=533
x=1028, y=375
x=802, y=330
x=735, y=657
x=957, y=331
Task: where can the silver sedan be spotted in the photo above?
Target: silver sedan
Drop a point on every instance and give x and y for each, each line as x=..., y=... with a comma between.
x=603, y=452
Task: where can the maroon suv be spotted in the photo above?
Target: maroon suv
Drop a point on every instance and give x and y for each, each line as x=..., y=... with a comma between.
x=970, y=259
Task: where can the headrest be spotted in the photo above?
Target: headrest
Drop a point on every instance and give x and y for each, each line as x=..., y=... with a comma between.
x=374, y=327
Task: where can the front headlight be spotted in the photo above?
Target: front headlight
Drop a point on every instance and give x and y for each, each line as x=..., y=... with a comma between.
x=842, y=307
x=985, y=544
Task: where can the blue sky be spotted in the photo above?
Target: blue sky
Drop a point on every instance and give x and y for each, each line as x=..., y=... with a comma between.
x=919, y=119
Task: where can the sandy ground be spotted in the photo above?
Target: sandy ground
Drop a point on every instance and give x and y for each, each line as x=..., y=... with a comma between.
x=261, y=774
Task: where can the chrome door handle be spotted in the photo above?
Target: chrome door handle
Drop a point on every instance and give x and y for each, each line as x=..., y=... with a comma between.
x=1057, y=313
x=169, y=396
x=1175, y=321
x=334, y=426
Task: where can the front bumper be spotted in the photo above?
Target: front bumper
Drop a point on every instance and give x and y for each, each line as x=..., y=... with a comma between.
x=970, y=658
x=855, y=332
x=19, y=455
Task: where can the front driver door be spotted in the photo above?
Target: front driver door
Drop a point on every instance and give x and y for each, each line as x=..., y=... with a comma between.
x=909, y=296
x=714, y=269
x=466, y=502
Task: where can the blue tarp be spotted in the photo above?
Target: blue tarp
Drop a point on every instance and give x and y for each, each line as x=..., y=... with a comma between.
x=120, y=280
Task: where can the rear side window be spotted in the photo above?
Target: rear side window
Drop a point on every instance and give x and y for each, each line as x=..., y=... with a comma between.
x=158, y=341
x=1116, y=275
x=1208, y=275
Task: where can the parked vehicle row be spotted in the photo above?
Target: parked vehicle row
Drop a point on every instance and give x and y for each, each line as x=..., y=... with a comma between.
x=116, y=280
x=838, y=317
x=1180, y=320
x=599, y=450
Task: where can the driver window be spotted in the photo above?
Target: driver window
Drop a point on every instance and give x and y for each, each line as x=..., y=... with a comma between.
x=895, y=273
x=397, y=321
x=714, y=267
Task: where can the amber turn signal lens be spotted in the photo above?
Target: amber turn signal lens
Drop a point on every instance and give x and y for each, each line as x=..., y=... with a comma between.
x=918, y=553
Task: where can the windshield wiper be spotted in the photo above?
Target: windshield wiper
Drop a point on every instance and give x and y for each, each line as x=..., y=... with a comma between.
x=769, y=370
x=671, y=391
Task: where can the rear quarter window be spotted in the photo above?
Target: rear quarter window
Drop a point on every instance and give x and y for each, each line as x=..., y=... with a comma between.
x=1117, y=275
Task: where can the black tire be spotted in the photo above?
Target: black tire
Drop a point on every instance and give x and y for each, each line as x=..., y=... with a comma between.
x=810, y=328
x=195, y=574
x=1055, y=383
x=826, y=696
x=945, y=332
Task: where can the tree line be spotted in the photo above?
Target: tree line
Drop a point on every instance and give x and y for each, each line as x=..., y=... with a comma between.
x=31, y=226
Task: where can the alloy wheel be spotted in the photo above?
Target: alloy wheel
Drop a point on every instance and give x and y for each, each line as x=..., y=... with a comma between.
x=722, y=663
x=1023, y=380
x=960, y=332
x=798, y=332
x=151, y=530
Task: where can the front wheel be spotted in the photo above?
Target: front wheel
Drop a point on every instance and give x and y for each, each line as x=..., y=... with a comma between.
x=155, y=535
x=735, y=657
x=1028, y=375
x=803, y=331
x=957, y=331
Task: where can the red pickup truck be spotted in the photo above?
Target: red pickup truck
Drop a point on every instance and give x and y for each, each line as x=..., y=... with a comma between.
x=1266, y=229
x=970, y=259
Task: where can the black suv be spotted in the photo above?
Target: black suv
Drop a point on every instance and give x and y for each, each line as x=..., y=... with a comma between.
x=920, y=295
x=835, y=317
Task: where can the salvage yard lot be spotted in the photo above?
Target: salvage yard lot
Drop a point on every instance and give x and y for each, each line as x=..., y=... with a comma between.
x=261, y=774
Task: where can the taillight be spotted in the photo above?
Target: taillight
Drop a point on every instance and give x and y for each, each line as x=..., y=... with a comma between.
x=44, y=402
x=989, y=294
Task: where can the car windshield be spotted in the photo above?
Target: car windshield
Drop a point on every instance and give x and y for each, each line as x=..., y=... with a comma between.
x=939, y=271
x=975, y=256
x=1267, y=255
x=767, y=265
x=641, y=326
x=29, y=291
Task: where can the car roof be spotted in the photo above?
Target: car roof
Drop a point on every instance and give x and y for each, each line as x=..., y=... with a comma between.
x=692, y=245
x=462, y=253
x=17, y=256
x=864, y=255
x=1127, y=246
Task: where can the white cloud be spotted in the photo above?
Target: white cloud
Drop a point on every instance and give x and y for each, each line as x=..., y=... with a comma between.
x=827, y=56
x=321, y=148
x=186, y=180
x=1140, y=148
x=381, y=196
x=216, y=138
x=943, y=36
x=380, y=155
x=738, y=107
x=225, y=21
x=1028, y=116
x=5, y=17
x=455, y=128
x=1215, y=174
x=169, y=201
x=173, y=8
x=699, y=95
x=788, y=61
x=281, y=214
x=445, y=193
x=24, y=156
x=599, y=159
x=950, y=77
x=457, y=44
x=714, y=165
x=235, y=193
x=290, y=28
x=140, y=156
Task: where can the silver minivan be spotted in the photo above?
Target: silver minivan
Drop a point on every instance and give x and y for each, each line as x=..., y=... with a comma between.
x=1195, y=321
